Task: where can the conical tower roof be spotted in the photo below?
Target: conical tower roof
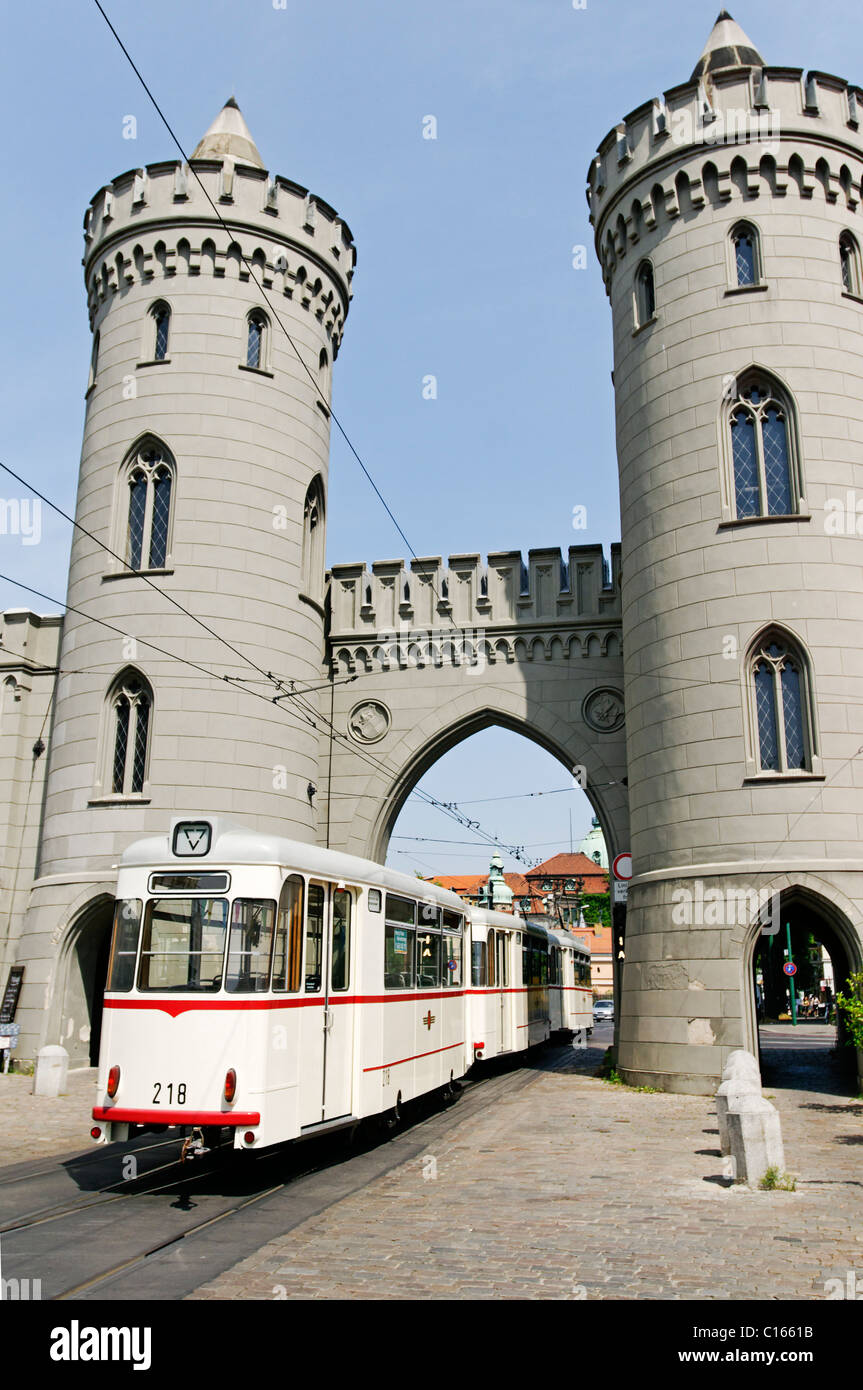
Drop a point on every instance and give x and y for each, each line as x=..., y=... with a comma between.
x=229, y=137
x=727, y=47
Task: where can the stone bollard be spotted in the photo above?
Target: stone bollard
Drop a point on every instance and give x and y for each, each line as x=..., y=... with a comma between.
x=756, y=1138
x=741, y=1061
x=52, y=1066
x=740, y=1076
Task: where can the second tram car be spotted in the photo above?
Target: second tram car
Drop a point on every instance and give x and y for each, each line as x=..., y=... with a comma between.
x=276, y=989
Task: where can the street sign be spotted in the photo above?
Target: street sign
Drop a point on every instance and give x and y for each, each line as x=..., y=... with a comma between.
x=622, y=866
x=9, y=1005
x=620, y=891
x=790, y=968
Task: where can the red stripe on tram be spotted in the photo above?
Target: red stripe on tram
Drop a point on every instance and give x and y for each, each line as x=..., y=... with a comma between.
x=416, y=1057
x=182, y=1006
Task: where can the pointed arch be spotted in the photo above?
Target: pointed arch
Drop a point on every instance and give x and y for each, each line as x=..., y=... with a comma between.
x=760, y=449
x=144, y=512
x=644, y=295
x=849, y=264
x=257, y=340
x=746, y=264
x=157, y=332
x=314, y=531
x=128, y=721
x=780, y=723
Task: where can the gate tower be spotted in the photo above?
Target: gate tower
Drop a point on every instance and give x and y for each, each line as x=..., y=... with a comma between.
x=727, y=218
x=204, y=468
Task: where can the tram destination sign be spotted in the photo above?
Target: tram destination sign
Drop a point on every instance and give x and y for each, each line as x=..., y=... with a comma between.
x=11, y=994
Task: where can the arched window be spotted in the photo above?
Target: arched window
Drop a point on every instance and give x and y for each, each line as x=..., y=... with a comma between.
x=149, y=477
x=94, y=361
x=130, y=708
x=256, y=340
x=313, y=540
x=161, y=316
x=849, y=263
x=782, y=707
x=746, y=255
x=763, y=449
x=645, y=294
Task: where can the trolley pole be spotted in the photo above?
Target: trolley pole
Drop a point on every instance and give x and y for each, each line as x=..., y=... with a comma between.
x=791, y=977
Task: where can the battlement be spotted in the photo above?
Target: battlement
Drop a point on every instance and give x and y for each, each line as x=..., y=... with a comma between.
x=297, y=243
x=749, y=112
x=427, y=595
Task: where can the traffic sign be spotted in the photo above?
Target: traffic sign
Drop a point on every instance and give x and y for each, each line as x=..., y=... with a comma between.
x=622, y=866
x=790, y=968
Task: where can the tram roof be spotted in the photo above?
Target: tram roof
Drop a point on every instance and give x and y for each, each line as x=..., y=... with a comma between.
x=232, y=843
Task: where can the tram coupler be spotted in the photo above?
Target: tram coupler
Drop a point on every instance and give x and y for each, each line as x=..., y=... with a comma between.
x=194, y=1146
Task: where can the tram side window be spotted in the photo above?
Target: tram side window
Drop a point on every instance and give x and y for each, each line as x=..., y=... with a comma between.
x=477, y=963
x=288, y=953
x=525, y=962
x=124, y=945
x=399, y=943
x=315, y=938
x=452, y=959
x=553, y=966
x=341, y=938
x=183, y=944
x=490, y=958
x=428, y=960
x=251, y=946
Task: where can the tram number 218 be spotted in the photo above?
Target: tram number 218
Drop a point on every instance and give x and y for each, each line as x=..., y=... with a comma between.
x=170, y=1087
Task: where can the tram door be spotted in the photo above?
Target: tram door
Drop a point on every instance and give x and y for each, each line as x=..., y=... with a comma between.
x=338, y=1013
x=502, y=977
x=327, y=1030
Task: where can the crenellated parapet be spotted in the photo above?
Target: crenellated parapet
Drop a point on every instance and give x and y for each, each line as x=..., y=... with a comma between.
x=434, y=612
x=154, y=224
x=732, y=134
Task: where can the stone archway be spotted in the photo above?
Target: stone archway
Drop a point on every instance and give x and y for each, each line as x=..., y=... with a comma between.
x=600, y=788
x=82, y=974
x=423, y=656
x=806, y=905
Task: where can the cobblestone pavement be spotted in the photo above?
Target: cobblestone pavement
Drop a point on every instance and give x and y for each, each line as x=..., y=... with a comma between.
x=573, y=1188
x=31, y=1126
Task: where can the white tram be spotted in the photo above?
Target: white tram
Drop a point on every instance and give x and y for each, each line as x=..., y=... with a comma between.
x=278, y=989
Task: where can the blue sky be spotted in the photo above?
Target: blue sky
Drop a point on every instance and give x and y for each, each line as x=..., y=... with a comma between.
x=464, y=257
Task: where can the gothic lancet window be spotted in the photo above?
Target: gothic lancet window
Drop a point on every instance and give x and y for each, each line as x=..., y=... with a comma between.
x=256, y=340
x=645, y=294
x=161, y=316
x=849, y=264
x=763, y=449
x=313, y=541
x=150, y=482
x=782, y=706
x=746, y=256
x=130, y=707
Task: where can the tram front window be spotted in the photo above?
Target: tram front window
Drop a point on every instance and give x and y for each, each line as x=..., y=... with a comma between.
x=183, y=945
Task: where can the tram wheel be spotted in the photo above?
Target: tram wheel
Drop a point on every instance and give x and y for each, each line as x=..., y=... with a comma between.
x=390, y=1119
x=452, y=1090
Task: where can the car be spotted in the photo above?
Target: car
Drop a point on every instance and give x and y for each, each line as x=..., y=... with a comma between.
x=603, y=1009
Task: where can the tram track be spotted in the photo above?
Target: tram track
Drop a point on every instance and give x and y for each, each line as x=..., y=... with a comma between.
x=177, y=1254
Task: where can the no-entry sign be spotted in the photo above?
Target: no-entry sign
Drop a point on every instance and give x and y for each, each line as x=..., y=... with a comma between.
x=622, y=866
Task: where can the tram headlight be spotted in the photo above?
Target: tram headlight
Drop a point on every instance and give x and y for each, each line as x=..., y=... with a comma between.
x=230, y=1085
x=113, y=1081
